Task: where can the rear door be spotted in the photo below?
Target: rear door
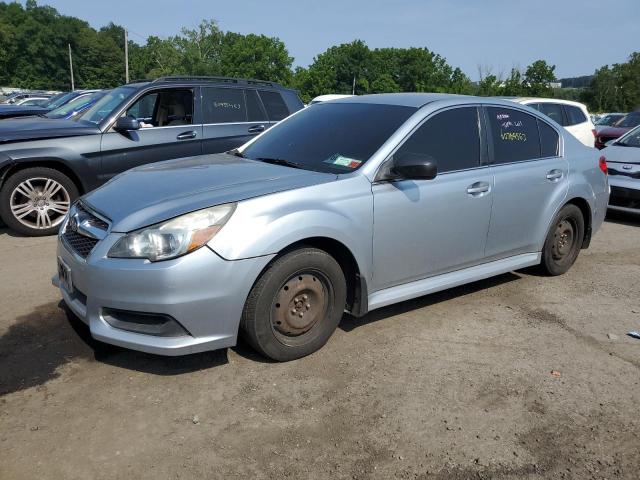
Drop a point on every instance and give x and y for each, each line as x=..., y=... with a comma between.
x=531, y=180
x=231, y=117
x=167, y=131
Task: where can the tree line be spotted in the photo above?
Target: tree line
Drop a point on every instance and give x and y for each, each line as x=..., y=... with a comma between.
x=34, y=54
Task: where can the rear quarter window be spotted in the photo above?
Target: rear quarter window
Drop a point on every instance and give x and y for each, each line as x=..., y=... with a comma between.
x=515, y=135
x=274, y=104
x=574, y=115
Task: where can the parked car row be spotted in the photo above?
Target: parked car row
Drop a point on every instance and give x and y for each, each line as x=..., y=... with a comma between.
x=347, y=205
x=47, y=161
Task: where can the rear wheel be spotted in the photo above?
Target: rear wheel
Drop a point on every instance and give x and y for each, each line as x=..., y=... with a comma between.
x=564, y=241
x=34, y=201
x=295, y=305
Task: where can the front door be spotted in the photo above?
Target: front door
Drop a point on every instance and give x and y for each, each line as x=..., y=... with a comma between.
x=426, y=227
x=167, y=131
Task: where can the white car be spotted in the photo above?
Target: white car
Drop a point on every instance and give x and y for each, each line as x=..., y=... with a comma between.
x=571, y=115
x=623, y=161
x=326, y=98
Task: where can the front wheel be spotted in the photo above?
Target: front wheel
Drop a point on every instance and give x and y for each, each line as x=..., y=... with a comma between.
x=35, y=200
x=564, y=241
x=295, y=305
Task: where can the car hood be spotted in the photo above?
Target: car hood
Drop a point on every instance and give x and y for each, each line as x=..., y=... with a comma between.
x=153, y=193
x=38, y=128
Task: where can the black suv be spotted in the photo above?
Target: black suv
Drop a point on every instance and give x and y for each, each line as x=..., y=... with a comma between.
x=45, y=163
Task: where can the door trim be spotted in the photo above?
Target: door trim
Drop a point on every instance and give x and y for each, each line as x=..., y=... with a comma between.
x=418, y=288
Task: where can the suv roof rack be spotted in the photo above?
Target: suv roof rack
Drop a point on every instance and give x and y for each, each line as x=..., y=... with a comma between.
x=241, y=81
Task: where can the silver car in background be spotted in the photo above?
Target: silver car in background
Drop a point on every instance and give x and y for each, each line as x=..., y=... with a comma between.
x=623, y=159
x=348, y=205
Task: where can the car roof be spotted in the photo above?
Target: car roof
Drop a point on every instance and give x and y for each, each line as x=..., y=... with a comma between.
x=203, y=80
x=416, y=100
x=525, y=100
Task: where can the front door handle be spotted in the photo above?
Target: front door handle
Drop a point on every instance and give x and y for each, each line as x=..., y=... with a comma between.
x=554, y=175
x=478, y=189
x=187, y=135
x=256, y=129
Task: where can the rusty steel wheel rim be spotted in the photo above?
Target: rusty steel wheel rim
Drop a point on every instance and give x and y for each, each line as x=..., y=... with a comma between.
x=299, y=305
x=563, y=240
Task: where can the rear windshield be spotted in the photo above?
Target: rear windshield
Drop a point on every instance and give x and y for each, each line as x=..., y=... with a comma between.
x=630, y=120
x=330, y=137
x=631, y=139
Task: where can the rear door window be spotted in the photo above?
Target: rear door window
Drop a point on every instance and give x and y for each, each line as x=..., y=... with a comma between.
x=223, y=105
x=450, y=138
x=574, y=115
x=276, y=108
x=553, y=111
x=515, y=135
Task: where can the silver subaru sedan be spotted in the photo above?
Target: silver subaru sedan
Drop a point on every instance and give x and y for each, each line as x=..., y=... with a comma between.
x=346, y=206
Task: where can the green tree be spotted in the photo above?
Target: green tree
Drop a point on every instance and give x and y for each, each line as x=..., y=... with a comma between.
x=538, y=77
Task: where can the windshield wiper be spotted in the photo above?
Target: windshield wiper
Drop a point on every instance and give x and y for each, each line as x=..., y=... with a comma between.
x=280, y=161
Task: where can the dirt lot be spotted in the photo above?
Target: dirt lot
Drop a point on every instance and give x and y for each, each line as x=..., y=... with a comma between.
x=452, y=385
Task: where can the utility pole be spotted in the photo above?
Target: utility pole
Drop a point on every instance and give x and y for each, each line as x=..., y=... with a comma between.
x=353, y=87
x=71, y=69
x=126, y=56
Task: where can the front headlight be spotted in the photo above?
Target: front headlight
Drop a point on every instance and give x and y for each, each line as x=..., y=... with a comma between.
x=174, y=237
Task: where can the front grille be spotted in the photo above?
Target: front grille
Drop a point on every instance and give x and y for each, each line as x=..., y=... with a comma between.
x=79, y=243
x=74, y=238
x=91, y=218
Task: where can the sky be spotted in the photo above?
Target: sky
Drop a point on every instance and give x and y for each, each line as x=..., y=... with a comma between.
x=577, y=36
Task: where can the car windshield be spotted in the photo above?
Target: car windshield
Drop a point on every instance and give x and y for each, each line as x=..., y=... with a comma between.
x=629, y=121
x=75, y=105
x=107, y=104
x=609, y=120
x=630, y=139
x=329, y=137
x=59, y=99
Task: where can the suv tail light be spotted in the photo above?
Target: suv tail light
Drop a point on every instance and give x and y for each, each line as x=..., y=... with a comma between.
x=602, y=163
x=595, y=132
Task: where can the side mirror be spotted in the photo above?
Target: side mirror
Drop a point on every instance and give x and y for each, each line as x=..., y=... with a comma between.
x=414, y=166
x=124, y=124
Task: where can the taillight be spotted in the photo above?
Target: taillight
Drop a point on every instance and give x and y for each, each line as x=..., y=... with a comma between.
x=595, y=132
x=602, y=163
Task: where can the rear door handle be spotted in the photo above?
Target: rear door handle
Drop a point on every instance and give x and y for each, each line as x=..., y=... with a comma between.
x=554, y=175
x=187, y=135
x=478, y=189
x=256, y=129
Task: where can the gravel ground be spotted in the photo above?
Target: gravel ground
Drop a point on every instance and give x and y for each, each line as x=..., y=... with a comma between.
x=519, y=376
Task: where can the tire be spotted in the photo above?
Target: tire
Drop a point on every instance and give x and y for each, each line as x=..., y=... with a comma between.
x=564, y=241
x=33, y=201
x=304, y=282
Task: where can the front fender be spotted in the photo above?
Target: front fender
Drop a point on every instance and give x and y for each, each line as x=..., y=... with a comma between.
x=341, y=211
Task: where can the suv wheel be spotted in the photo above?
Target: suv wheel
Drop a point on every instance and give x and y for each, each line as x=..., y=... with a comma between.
x=35, y=200
x=295, y=305
x=564, y=241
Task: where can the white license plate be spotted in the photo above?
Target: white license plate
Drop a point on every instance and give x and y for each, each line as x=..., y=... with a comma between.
x=64, y=275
